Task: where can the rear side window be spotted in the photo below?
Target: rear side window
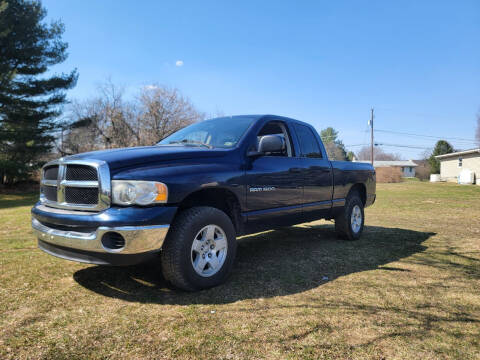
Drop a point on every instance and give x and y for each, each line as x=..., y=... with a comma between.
x=308, y=143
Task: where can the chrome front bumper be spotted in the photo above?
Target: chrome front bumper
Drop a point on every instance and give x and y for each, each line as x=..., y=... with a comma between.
x=138, y=239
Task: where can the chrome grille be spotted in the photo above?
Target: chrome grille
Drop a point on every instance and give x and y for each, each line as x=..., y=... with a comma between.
x=81, y=173
x=50, y=192
x=76, y=184
x=78, y=195
x=50, y=173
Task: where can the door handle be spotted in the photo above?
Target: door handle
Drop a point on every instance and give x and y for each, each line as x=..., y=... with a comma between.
x=295, y=170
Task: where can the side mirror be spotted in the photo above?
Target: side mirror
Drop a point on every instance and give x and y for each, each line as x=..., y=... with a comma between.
x=271, y=144
x=254, y=154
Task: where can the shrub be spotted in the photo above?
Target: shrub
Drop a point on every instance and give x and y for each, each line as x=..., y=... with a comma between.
x=389, y=174
x=422, y=171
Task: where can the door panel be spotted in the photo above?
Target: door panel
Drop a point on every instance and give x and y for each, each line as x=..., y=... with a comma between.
x=317, y=175
x=318, y=187
x=274, y=191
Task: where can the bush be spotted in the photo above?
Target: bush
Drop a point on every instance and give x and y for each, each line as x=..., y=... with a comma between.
x=422, y=171
x=389, y=174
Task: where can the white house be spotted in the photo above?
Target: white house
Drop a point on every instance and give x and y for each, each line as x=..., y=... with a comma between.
x=407, y=166
x=452, y=164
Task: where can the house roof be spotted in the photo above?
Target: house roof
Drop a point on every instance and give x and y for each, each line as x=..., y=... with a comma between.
x=459, y=153
x=384, y=163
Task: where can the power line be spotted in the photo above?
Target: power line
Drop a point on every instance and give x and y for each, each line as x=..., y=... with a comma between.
x=404, y=146
x=365, y=144
x=426, y=136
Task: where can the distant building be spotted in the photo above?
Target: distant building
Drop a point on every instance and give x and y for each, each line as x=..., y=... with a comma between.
x=407, y=166
x=452, y=164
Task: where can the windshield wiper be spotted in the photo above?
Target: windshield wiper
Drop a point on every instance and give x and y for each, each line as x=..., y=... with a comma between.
x=191, y=142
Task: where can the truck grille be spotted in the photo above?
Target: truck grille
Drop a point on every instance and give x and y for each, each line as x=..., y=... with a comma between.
x=74, y=195
x=50, y=192
x=82, y=185
x=81, y=173
x=50, y=173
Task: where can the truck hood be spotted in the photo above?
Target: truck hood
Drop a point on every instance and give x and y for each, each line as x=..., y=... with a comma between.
x=127, y=157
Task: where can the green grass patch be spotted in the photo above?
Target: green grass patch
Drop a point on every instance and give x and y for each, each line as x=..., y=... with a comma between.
x=407, y=289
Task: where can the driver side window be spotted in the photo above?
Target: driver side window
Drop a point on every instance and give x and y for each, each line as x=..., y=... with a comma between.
x=280, y=129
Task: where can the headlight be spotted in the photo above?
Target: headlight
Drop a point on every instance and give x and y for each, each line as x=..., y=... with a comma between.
x=133, y=192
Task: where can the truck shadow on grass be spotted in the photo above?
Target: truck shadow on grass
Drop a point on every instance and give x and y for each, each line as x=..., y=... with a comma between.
x=274, y=263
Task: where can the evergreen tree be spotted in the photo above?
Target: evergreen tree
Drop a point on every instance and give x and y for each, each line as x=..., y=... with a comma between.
x=442, y=147
x=334, y=147
x=30, y=99
x=350, y=155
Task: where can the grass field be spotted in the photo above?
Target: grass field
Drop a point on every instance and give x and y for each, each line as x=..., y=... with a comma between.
x=409, y=289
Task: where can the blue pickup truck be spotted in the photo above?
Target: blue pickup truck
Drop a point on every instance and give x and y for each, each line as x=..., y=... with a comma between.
x=185, y=200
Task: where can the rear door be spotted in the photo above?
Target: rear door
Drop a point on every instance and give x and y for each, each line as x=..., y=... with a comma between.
x=317, y=174
x=274, y=183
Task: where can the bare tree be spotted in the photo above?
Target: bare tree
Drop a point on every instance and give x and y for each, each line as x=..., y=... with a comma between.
x=162, y=112
x=116, y=120
x=78, y=139
x=378, y=153
x=109, y=121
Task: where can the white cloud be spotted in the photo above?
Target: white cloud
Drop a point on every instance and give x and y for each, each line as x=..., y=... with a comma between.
x=151, y=87
x=179, y=63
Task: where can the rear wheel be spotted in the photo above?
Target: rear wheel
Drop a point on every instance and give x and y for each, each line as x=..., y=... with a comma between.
x=349, y=224
x=200, y=249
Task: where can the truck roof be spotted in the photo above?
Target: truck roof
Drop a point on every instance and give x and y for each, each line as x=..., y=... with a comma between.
x=272, y=116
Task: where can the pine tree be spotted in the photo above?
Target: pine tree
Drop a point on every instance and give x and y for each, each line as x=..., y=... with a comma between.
x=334, y=146
x=441, y=147
x=30, y=99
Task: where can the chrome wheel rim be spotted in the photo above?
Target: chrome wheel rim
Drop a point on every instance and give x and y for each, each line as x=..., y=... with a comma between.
x=356, y=219
x=209, y=250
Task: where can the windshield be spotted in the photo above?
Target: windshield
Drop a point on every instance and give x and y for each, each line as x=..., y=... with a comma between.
x=219, y=133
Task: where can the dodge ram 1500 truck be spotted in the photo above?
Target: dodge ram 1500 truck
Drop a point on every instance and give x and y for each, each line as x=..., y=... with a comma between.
x=186, y=199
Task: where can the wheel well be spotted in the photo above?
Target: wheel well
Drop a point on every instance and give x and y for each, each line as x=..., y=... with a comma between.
x=362, y=190
x=222, y=199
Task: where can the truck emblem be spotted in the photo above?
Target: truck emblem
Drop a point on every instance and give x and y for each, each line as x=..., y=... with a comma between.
x=263, y=188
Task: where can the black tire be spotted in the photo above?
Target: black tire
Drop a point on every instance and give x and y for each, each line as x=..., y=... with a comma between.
x=343, y=223
x=176, y=255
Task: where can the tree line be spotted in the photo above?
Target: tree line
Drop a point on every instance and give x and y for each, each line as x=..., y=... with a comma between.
x=108, y=120
x=32, y=100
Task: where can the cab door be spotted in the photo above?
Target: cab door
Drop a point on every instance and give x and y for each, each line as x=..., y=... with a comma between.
x=274, y=183
x=317, y=174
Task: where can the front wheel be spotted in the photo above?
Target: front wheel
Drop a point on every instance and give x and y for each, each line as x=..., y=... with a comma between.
x=349, y=224
x=200, y=249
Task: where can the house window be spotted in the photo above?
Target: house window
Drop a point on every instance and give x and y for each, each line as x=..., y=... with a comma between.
x=460, y=162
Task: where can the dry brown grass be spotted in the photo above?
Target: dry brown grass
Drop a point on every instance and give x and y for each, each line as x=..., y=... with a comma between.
x=388, y=174
x=409, y=289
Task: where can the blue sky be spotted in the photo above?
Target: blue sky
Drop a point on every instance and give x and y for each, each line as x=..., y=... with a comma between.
x=325, y=62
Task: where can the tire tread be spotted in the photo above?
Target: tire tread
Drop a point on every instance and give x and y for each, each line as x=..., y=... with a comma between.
x=172, y=251
x=342, y=221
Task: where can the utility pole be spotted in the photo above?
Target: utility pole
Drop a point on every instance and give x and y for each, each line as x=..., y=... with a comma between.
x=371, y=136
